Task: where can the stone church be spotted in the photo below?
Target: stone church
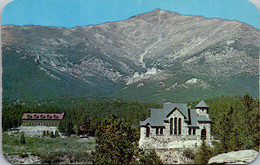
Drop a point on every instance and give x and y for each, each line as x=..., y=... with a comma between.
x=176, y=126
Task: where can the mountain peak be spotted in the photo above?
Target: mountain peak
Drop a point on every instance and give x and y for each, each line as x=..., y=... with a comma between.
x=157, y=10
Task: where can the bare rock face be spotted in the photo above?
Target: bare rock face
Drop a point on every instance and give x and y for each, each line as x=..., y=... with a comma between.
x=235, y=157
x=173, y=156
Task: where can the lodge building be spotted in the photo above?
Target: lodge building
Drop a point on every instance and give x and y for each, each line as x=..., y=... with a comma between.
x=42, y=119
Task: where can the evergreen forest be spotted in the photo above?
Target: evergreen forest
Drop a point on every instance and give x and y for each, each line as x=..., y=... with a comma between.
x=235, y=120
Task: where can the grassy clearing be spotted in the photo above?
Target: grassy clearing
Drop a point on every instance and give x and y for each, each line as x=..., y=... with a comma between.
x=48, y=148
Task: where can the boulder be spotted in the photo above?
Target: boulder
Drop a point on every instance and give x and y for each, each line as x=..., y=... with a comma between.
x=235, y=157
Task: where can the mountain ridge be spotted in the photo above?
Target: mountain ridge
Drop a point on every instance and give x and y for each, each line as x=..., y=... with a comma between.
x=155, y=47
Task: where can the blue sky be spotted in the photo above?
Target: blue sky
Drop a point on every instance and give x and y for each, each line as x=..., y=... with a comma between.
x=70, y=13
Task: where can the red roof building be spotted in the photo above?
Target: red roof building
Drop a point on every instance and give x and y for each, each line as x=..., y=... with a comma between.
x=42, y=119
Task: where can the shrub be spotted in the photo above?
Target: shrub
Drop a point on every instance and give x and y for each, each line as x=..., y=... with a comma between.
x=52, y=135
x=149, y=157
x=82, y=157
x=23, y=155
x=50, y=158
x=203, y=154
x=56, y=134
x=43, y=133
x=188, y=153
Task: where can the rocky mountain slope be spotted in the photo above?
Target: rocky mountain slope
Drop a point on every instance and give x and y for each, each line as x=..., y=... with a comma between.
x=155, y=56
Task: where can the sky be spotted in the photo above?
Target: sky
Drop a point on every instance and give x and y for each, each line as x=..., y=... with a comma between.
x=70, y=13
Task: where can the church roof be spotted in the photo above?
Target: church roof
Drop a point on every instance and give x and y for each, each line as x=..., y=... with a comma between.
x=195, y=118
x=202, y=104
x=169, y=107
x=43, y=116
x=158, y=116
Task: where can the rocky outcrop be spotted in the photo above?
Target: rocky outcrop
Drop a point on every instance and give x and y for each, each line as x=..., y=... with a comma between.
x=235, y=157
x=29, y=159
x=173, y=156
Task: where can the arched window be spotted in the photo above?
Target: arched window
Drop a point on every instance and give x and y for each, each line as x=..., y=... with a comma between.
x=175, y=126
x=179, y=126
x=171, y=126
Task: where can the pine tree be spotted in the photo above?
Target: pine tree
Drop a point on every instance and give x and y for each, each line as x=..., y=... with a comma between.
x=22, y=140
x=249, y=122
x=225, y=127
x=203, y=154
x=117, y=143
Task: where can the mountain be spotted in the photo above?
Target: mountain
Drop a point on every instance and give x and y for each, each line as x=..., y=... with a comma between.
x=152, y=57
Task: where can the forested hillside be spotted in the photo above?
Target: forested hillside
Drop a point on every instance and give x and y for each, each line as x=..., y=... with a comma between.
x=235, y=120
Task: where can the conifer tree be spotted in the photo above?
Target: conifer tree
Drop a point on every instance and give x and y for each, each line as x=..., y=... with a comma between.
x=117, y=143
x=203, y=154
x=22, y=140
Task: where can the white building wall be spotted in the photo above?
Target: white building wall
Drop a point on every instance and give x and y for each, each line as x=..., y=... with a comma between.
x=207, y=127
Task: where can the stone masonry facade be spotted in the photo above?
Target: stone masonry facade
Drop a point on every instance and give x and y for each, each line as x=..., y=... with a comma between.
x=176, y=126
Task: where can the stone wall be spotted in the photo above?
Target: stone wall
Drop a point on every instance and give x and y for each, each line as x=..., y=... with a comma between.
x=184, y=126
x=164, y=142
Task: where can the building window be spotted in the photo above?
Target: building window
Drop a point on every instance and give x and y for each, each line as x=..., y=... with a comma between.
x=171, y=126
x=189, y=131
x=161, y=131
x=175, y=126
x=179, y=126
x=194, y=131
x=157, y=131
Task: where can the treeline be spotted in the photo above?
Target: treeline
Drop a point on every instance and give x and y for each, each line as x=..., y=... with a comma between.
x=235, y=126
x=89, y=115
x=235, y=120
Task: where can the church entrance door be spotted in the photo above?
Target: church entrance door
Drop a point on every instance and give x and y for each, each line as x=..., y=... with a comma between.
x=147, y=131
x=203, y=134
